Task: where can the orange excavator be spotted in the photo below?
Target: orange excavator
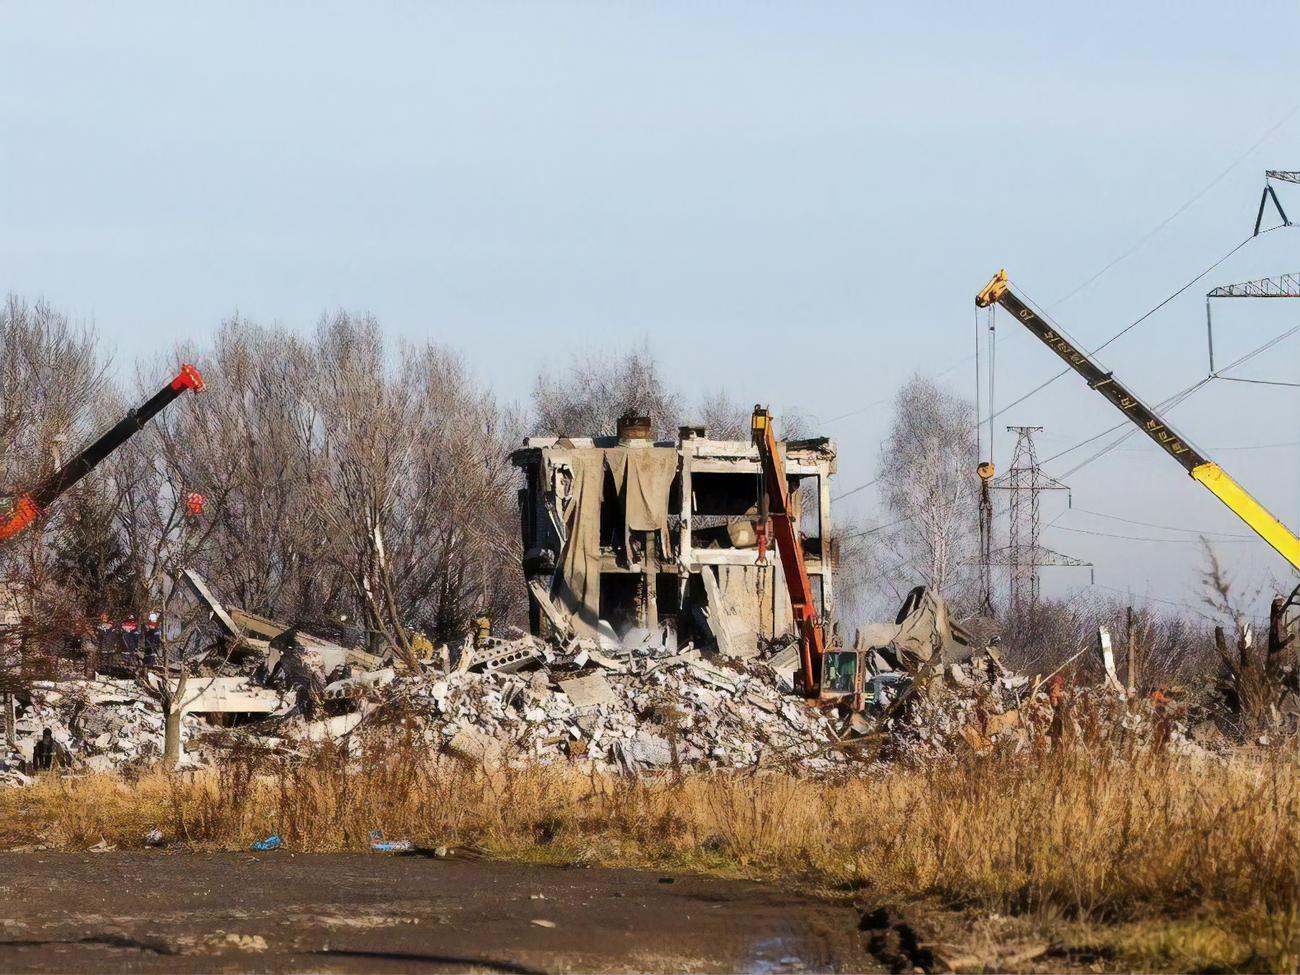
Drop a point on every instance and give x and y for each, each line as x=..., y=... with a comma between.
x=921, y=636
x=27, y=508
x=774, y=509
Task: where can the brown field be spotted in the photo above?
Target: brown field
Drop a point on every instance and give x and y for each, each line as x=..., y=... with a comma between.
x=1085, y=857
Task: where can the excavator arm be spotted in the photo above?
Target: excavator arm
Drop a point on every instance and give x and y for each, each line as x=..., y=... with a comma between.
x=32, y=505
x=775, y=507
x=1258, y=518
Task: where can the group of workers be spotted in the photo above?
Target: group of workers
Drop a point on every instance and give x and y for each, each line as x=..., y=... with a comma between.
x=131, y=638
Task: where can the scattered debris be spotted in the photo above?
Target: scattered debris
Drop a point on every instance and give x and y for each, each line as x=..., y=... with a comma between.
x=642, y=705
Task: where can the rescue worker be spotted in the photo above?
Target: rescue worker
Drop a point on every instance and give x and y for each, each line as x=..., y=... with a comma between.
x=104, y=636
x=297, y=674
x=151, y=640
x=129, y=635
x=48, y=753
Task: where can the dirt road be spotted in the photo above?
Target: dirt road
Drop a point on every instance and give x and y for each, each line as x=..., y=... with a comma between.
x=186, y=912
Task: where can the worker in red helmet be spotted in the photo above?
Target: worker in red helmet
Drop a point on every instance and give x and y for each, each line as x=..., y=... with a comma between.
x=129, y=635
x=151, y=639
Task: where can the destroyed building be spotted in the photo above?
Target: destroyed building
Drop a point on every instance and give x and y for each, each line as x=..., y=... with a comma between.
x=630, y=539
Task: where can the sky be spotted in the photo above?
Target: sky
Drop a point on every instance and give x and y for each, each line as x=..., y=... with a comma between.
x=795, y=203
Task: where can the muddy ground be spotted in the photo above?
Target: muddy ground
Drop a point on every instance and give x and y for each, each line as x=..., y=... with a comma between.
x=158, y=911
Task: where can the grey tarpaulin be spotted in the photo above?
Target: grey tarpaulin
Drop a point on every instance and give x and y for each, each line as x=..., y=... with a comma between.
x=644, y=478
x=577, y=587
x=926, y=635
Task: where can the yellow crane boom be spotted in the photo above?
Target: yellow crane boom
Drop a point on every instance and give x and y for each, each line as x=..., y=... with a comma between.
x=1258, y=518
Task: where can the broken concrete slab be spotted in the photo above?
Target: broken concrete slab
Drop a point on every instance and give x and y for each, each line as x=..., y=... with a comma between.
x=733, y=638
x=504, y=657
x=785, y=664
x=587, y=692
x=475, y=747
x=228, y=695
x=648, y=749
x=559, y=625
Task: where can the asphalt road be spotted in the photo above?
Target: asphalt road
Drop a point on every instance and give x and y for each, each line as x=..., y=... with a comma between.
x=159, y=911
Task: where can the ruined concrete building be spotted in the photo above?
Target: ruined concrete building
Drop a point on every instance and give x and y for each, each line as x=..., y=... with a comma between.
x=637, y=540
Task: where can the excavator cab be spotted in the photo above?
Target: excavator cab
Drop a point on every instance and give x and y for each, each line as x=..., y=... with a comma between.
x=843, y=673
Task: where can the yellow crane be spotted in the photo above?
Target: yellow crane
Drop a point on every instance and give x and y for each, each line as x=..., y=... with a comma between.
x=1258, y=518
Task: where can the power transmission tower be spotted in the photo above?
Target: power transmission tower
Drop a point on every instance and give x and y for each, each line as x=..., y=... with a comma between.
x=1281, y=176
x=1278, y=286
x=1026, y=480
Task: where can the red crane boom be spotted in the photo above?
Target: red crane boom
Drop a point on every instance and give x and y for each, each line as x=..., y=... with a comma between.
x=32, y=505
x=774, y=504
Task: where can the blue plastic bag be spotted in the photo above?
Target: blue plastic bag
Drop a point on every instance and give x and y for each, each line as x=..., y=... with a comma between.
x=381, y=845
x=272, y=842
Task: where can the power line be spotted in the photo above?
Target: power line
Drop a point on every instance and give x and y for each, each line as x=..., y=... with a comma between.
x=862, y=409
x=1168, y=404
x=1171, y=403
x=872, y=531
x=1182, y=209
x=1150, y=524
x=1123, y=331
x=1043, y=385
x=1261, y=446
x=1216, y=449
x=1142, y=240
x=1157, y=599
x=1259, y=382
x=1143, y=538
x=1128, y=328
x=852, y=491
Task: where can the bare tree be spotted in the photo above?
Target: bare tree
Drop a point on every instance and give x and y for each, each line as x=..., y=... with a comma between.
x=459, y=541
x=162, y=533
x=1255, y=675
x=928, y=483
x=243, y=441
x=51, y=382
x=590, y=396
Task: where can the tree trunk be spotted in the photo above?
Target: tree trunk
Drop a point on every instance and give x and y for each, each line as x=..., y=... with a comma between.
x=172, y=737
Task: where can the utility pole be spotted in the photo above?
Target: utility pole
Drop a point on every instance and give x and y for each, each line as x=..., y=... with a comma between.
x=1132, y=652
x=1026, y=481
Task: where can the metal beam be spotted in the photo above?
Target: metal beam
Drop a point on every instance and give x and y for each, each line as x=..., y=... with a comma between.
x=1279, y=286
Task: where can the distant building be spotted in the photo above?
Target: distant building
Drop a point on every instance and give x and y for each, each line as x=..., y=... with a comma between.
x=640, y=540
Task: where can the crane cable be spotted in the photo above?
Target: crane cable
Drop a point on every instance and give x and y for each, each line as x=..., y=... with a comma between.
x=979, y=447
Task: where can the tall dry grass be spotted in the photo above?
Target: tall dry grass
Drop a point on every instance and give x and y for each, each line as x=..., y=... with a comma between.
x=1099, y=836
x=1094, y=835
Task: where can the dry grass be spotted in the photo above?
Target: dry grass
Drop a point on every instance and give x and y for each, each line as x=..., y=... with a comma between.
x=1194, y=863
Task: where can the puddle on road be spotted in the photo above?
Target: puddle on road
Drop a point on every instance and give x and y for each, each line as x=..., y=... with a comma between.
x=772, y=956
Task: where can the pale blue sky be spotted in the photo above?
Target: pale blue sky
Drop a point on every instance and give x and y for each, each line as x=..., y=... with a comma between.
x=795, y=201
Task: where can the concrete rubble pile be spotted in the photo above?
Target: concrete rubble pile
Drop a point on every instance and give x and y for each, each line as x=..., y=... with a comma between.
x=632, y=706
x=979, y=705
x=631, y=714
x=99, y=724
